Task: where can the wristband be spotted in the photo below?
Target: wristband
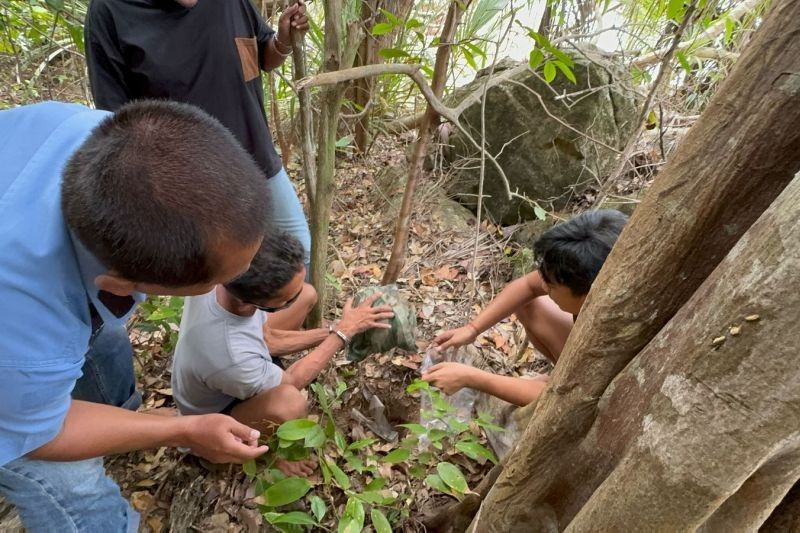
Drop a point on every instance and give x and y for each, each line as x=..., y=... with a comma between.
x=474, y=329
x=275, y=42
x=345, y=338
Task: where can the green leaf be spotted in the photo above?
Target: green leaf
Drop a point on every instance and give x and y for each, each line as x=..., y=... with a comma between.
x=561, y=56
x=382, y=28
x=475, y=451
x=452, y=476
x=675, y=9
x=392, y=53
x=58, y=5
x=436, y=483
x=293, y=517
x=414, y=23
x=396, y=456
x=371, y=496
x=684, y=62
x=287, y=491
x=344, y=142
x=730, y=25
x=566, y=71
x=469, y=58
x=316, y=438
x=250, y=468
x=296, y=429
x=340, y=441
x=379, y=521
x=353, y=517
x=360, y=444
x=318, y=507
x=417, y=429
x=416, y=385
x=391, y=17
x=416, y=471
x=549, y=71
x=376, y=484
x=339, y=475
x=540, y=213
x=535, y=58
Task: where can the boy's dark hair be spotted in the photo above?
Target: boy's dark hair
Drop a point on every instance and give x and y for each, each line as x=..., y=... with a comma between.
x=278, y=260
x=154, y=185
x=572, y=253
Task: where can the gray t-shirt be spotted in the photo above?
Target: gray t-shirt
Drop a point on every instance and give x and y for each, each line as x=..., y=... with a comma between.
x=220, y=357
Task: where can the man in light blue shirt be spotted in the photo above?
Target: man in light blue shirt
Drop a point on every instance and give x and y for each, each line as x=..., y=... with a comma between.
x=95, y=211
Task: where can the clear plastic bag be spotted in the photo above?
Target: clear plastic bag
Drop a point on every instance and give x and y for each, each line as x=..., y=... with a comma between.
x=463, y=401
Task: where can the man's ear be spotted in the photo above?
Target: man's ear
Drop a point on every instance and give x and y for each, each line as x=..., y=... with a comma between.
x=115, y=284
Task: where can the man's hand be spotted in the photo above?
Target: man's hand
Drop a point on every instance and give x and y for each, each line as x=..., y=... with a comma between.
x=293, y=19
x=450, y=377
x=221, y=439
x=359, y=319
x=455, y=338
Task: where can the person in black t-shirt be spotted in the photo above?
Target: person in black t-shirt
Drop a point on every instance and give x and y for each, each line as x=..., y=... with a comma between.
x=209, y=53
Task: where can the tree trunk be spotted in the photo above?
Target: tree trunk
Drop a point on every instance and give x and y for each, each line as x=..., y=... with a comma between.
x=363, y=90
x=732, y=164
x=363, y=87
x=397, y=259
x=698, y=434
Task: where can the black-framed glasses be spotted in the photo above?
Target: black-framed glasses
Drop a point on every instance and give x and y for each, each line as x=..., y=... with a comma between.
x=288, y=303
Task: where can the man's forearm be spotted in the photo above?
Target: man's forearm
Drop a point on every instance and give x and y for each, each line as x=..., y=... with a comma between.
x=272, y=58
x=516, y=294
x=306, y=370
x=518, y=391
x=283, y=342
x=93, y=430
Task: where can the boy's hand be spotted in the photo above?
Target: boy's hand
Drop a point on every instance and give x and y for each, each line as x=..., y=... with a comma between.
x=221, y=439
x=455, y=338
x=293, y=19
x=450, y=377
x=358, y=319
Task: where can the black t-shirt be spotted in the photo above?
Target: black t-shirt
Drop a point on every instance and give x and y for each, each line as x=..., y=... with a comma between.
x=209, y=56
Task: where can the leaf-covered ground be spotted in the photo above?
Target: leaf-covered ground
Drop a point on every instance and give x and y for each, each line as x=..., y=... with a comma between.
x=173, y=491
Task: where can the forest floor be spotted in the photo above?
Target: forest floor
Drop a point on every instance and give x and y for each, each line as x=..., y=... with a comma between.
x=171, y=488
x=447, y=277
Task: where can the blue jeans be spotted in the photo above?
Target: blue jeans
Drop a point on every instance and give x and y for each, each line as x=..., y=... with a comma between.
x=77, y=496
x=287, y=212
x=74, y=497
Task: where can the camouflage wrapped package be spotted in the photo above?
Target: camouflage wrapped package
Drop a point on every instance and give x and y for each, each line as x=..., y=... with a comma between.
x=401, y=335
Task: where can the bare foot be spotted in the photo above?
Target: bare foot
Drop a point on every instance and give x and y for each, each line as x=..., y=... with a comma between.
x=302, y=468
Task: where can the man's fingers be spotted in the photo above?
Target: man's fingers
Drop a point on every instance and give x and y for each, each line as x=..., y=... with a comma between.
x=243, y=432
x=348, y=305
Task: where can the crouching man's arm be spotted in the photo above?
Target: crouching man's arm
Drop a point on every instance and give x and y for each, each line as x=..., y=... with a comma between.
x=93, y=430
x=354, y=321
x=452, y=377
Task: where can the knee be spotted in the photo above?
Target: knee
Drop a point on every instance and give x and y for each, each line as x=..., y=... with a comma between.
x=291, y=403
x=309, y=296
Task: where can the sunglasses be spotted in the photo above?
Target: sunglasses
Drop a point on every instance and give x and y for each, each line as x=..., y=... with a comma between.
x=288, y=303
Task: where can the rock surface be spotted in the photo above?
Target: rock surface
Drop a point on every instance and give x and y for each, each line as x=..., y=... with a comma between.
x=542, y=157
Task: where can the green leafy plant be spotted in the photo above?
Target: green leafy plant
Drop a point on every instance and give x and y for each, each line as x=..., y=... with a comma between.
x=161, y=315
x=354, y=490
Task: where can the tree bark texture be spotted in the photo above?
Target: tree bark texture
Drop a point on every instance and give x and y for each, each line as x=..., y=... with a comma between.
x=330, y=102
x=701, y=435
x=397, y=258
x=729, y=168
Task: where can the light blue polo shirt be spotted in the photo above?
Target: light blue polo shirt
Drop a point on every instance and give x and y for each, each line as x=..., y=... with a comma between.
x=45, y=275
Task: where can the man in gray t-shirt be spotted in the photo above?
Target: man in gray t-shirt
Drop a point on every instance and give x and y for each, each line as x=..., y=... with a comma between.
x=222, y=361
x=221, y=357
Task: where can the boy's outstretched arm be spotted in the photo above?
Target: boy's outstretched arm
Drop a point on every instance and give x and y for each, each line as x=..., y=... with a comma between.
x=452, y=377
x=516, y=294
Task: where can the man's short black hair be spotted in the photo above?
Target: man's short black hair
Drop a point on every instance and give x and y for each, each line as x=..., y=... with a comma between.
x=155, y=185
x=278, y=260
x=572, y=253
